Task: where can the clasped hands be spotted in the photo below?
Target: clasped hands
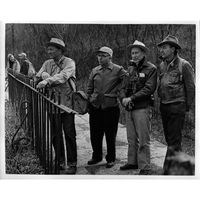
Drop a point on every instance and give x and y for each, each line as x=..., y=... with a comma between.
x=126, y=101
x=43, y=83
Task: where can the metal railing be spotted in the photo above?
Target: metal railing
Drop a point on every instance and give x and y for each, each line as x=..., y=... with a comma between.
x=36, y=108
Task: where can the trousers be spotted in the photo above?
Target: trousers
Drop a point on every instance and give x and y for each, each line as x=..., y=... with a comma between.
x=173, y=117
x=68, y=127
x=103, y=121
x=138, y=136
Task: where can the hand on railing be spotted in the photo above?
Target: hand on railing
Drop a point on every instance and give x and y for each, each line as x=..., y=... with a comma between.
x=42, y=84
x=45, y=75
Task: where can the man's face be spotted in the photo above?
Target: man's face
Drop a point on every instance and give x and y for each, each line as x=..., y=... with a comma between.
x=11, y=58
x=103, y=58
x=53, y=52
x=166, y=51
x=137, y=54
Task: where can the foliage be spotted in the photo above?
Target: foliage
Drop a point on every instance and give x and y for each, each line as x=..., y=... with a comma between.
x=82, y=40
x=24, y=160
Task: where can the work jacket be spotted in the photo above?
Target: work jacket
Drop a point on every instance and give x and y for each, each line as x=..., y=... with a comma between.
x=59, y=74
x=103, y=85
x=176, y=83
x=140, y=84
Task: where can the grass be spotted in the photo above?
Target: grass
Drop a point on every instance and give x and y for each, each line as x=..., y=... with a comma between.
x=22, y=160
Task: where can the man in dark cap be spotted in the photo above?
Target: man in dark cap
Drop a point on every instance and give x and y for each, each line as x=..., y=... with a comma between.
x=103, y=88
x=176, y=90
x=57, y=71
x=136, y=98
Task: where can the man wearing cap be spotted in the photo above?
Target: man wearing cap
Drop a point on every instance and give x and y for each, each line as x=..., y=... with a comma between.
x=176, y=90
x=103, y=88
x=26, y=66
x=136, y=97
x=56, y=72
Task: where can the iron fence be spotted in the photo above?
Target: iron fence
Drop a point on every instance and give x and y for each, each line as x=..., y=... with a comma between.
x=35, y=109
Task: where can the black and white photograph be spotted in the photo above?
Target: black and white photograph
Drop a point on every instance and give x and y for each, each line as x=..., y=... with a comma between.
x=110, y=99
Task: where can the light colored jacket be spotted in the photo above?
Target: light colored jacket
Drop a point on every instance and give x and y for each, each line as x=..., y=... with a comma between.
x=59, y=73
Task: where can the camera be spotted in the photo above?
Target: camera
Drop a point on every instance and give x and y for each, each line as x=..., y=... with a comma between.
x=130, y=106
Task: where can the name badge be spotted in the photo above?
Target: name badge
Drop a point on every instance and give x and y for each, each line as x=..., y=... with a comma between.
x=142, y=75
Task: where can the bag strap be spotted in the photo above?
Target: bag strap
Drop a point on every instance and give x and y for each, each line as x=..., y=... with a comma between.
x=180, y=68
x=112, y=86
x=72, y=84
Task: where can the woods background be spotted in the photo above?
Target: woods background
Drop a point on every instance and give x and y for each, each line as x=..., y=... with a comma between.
x=82, y=40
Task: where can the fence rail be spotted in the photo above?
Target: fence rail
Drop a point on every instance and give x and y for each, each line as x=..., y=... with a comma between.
x=36, y=108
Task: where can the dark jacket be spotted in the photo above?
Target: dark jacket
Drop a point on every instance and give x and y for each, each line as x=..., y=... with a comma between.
x=174, y=85
x=140, y=84
x=103, y=85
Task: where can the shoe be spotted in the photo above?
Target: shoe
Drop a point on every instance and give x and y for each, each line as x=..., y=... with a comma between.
x=128, y=166
x=110, y=164
x=62, y=167
x=145, y=172
x=93, y=161
x=70, y=170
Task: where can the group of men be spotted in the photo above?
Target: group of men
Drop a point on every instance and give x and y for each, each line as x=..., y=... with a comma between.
x=110, y=84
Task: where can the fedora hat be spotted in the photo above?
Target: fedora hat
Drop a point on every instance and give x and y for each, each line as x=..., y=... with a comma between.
x=57, y=43
x=171, y=40
x=138, y=44
x=105, y=50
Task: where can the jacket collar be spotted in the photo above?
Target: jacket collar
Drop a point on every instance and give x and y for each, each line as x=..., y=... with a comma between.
x=174, y=62
x=141, y=64
x=110, y=66
x=59, y=63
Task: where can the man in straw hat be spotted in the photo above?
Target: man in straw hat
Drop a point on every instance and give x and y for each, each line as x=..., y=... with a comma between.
x=136, y=97
x=103, y=88
x=57, y=71
x=176, y=90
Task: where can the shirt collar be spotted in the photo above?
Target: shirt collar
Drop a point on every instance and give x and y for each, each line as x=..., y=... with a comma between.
x=110, y=66
x=141, y=64
x=174, y=62
x=60, y=61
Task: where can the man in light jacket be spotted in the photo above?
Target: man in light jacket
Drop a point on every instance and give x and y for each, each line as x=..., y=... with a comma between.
x=56, y=72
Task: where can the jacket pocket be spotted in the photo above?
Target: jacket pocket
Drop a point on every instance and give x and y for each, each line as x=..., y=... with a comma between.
x=173, y=77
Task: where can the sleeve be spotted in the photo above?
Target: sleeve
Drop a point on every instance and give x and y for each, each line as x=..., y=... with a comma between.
x=67, y=72
x=188, y=79
x=16, y=67
x=122, y=88
x=122, y=73
x=42, y=69
x=90, y=86
x=31, y=70
x=149, y=87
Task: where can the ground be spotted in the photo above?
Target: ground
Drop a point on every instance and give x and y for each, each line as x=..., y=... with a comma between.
x=25, y=161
